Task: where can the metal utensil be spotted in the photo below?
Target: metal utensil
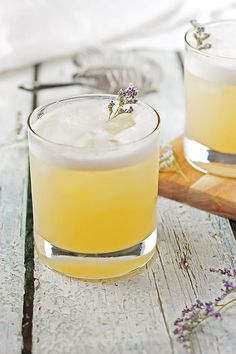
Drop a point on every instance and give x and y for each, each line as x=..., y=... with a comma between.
x=36, y=86
x=103, y=79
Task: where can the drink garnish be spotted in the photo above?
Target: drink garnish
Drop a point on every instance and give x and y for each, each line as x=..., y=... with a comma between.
x=169, y=163
x=125, y=97
x=200, y=36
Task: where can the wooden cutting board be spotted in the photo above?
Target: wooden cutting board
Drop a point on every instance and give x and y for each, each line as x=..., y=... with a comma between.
x=204, y=191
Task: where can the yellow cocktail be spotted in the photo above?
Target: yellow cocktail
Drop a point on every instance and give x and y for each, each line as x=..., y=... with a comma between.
x=94, y=197
x=213, y=123
x=210, y=89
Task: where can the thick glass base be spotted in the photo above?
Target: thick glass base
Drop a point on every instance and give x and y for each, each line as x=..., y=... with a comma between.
x=208, y=160
x=96, y=266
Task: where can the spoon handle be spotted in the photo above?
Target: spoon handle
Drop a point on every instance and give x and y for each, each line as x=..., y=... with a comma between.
x=36, y=86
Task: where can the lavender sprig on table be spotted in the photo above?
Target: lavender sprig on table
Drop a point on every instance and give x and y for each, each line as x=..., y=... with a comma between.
x=200, y=35
x=125, y=97
x=169, y=163
x=201, y=311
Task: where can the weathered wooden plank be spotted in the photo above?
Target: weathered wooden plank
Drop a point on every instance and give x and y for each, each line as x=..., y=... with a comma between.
x=14, y=108
x=192, y=241
x=135, y=314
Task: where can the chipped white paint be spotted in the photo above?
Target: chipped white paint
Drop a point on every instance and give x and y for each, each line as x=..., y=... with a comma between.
x=135, y=314
x=13, y=193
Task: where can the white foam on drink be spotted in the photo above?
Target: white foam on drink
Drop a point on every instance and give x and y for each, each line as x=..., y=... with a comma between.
x=218, y=63
x=79, y=135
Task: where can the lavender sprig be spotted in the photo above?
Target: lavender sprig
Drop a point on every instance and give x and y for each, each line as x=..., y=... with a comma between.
x=125, y=97
x=169, y=163
x=200, y=35
x=201, y=311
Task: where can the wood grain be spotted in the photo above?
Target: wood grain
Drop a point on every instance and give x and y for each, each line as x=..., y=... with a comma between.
x=13, y=198
x=204, y=191
x=135, y=314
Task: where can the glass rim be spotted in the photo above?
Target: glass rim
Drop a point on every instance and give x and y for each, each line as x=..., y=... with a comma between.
x=203, y=53
x=40, y=108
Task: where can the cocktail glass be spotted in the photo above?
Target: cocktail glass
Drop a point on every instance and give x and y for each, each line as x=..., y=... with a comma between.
x=210, y=89
x=94, y=186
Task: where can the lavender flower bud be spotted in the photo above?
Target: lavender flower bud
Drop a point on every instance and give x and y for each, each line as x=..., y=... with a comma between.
x=125, y=97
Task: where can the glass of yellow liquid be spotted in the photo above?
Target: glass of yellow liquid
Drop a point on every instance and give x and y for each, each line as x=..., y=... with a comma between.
x=94, y=185
x=210, y=89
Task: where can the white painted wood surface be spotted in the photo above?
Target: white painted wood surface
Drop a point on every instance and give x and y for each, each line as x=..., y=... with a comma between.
x=135, y=314
x=13, y=194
